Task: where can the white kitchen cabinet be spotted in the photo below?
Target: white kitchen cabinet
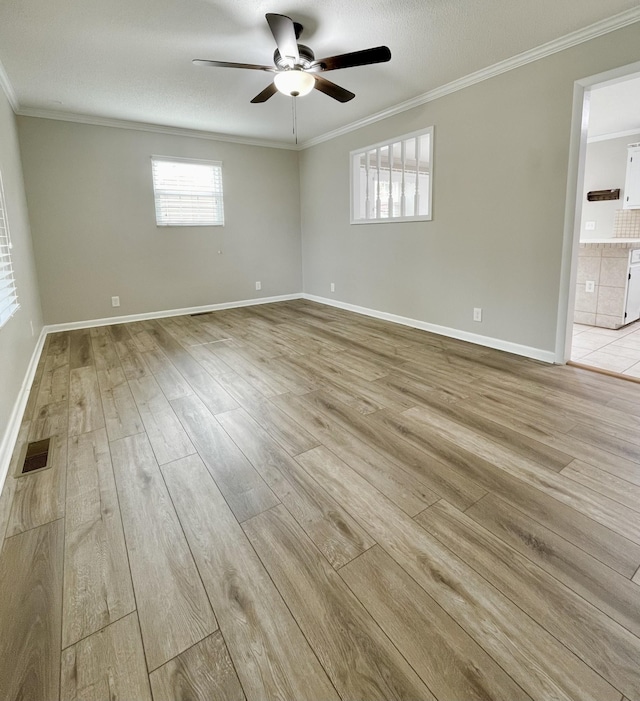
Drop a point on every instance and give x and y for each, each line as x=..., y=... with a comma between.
x=632, y=181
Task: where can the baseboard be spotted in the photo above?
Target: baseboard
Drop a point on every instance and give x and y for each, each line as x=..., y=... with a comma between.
x=89, y=323
x=488, y=341
x=15, y=419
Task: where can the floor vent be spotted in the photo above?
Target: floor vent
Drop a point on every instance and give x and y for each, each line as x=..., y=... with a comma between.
x=199, y=313
x=36, y=457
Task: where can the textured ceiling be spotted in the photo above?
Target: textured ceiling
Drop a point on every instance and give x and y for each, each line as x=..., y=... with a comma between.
x=615, y=108
x=131, y=59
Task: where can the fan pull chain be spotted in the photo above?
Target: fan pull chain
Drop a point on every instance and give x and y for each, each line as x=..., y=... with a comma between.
x=294, y=114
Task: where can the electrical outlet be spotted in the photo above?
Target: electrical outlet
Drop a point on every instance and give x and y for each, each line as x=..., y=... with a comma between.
x=333, y=286
x=258, y=285
x=115, y=301
x=590, y=226
x=590, y=286
x=477, y=314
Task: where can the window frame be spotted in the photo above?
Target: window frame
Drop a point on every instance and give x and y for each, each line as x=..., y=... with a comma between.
x=214, y=194
x=5, y=252
x=380, y=145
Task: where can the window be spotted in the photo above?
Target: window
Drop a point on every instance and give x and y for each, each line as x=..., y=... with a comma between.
x=8, y=295
x=391, y=181
x=187, y=192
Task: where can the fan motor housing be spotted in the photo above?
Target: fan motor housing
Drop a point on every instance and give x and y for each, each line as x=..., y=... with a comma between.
x=307, y=57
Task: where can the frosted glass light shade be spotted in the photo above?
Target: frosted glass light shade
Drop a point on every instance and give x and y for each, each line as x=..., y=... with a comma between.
x=294, y=82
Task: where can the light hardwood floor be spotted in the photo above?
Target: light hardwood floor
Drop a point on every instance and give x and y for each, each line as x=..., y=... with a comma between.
x=291, y=501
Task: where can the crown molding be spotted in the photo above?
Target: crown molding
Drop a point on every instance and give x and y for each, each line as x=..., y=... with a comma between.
x=613, y=135
x=154, y=128
x=593, y=31
x=7, y=88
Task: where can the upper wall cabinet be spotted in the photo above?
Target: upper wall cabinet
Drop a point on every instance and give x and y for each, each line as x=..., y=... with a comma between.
x=632, y=181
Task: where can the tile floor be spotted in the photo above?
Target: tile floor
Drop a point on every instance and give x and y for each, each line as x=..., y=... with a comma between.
x=617, y=350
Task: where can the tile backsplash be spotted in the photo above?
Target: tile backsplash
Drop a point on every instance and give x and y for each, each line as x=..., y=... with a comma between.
x=627, y=224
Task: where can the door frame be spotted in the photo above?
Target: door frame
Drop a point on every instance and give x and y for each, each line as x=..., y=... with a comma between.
x=573, y=202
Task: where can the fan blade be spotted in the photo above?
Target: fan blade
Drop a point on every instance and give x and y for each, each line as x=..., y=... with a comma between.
x=284, y=33
x=228, y=64
x=379, y=54
x=268, y=92
x=332, y=90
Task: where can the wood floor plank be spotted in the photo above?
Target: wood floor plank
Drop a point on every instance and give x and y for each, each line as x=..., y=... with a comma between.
x=244, y=489
x=50, y=420
x=165, y=578
x=291, y=436
x=451, y=663
x=583, y=628
x=332, y=530
x=601, y=542
x=357, y=656
x=85, y=405
x=215, y=397
x=333, y=382
x=210, y=362
x=30, y=406
x=604, y=440
x=107, y=665
x=131, y=359
x=404, y=488
x=503, y=436
x=595, y=582
x=478, y=607
x=30, y=614
x=515, y=406
x=141, y=338
x=359, y=394
x=271, y=656
x=604, y=483
x=167, y=376
x=121, y=414
x=58, y=346
x=265, y=383
x=54, y=385
x=364, y=369
x=97, y=582
x=598, y=507
x=6, y=498
x=414, y=390
x=204, y=671
x=456, y=488
x=80, y=353
x=105, y=358
x=165, y=432
x=295, y=380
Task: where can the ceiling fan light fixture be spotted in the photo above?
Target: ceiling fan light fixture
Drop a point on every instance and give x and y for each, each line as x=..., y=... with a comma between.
x=294, y=82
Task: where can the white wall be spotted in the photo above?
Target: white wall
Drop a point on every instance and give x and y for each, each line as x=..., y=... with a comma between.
x=605, y=169
x=17, y=342
x=500, y=178
x=92, y=215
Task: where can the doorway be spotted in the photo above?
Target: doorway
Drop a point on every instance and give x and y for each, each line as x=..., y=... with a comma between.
x=602, y=236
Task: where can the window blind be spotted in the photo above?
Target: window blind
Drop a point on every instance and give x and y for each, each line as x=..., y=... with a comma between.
x=187, y=193
x=8, y=295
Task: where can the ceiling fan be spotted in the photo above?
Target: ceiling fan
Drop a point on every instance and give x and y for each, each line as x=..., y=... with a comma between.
x=296, y=68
